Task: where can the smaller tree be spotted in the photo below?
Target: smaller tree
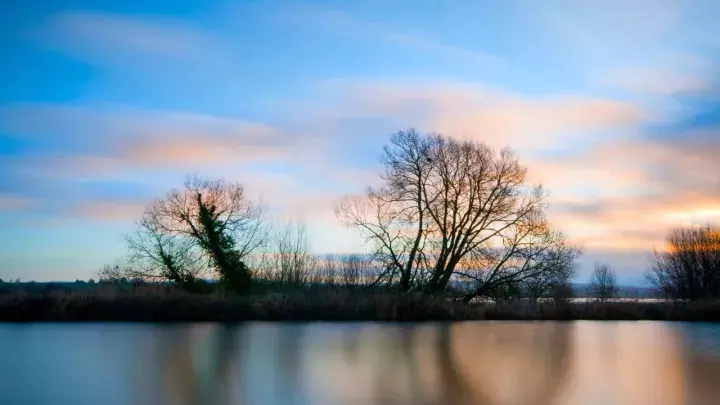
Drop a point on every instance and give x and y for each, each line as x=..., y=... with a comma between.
x=291, y=261
x=328, y=269
x=688, y=267
x=355, y=269
x=603, y=282
x=206, y=229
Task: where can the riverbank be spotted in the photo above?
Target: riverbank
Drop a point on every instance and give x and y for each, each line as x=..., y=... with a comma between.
x=327, y=306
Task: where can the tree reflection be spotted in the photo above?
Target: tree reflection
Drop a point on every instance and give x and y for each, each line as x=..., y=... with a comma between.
x=196, y=364
x=487, y=364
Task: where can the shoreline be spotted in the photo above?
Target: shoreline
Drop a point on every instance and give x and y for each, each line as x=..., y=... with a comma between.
x=329, y=307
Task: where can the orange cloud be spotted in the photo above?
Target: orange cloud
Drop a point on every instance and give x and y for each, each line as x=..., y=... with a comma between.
x=654, y=185
x=472, y=111
x=186, y=151
x=530, y=123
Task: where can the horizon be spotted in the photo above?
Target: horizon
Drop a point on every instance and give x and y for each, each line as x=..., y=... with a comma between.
x=104, y=106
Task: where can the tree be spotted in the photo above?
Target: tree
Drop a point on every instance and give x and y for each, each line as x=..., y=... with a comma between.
x=290, y=259
x=207, y=228
x=450, y=209
x=689, y=267
x=603, y=282
x=356, y=269
x=157, y=255
x=328, y=269
x=556, y=284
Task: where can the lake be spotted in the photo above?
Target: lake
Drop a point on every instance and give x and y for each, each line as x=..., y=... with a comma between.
x=489, y=363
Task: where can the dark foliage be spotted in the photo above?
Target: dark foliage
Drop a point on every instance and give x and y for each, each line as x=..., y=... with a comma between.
x=689, y=268
x=166, y=303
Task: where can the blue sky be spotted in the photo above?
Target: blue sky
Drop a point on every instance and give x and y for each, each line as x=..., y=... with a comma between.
x=104, y=105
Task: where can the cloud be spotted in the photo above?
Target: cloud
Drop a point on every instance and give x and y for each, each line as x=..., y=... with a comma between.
x=649, y=47
x=123, y=211
x=614, y=184
x=613, y=28
x=663, y=183
x=104, y=139
x=473, y=111
x=14, y=203
x=249, y=142
x=656, y=81
x=615, y=181
x=117, y=39
x=344, y=23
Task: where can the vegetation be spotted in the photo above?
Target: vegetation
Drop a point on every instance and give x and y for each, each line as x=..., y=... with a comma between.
x=206, y=229
x=689, y=268
x=167, y=303
x=452, y=218
x=603, y=282
x=458, y=213
x=454, y=233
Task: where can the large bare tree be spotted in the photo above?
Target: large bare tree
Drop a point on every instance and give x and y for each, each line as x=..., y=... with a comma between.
x=689, y=267
x=394, y=217
x=208, y=227
x=450, y=208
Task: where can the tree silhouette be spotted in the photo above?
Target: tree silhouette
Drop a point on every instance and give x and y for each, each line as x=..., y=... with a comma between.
x=452, y=209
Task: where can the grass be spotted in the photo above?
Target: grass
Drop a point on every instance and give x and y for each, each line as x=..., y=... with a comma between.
x=157, y=303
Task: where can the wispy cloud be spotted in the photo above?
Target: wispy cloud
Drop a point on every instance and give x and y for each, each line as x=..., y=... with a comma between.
x=656, y=184
x=657, y=81
x=613, y=186
x=613, y=28
x=614, y=183
x=657, y=47
x=474, y=111
x=111, y=139
x=13, y=203
x=345, y=23
x=118, y=39
x=109, y=210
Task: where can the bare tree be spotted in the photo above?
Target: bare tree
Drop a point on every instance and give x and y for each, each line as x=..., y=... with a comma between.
x=290, y=258
x=445, y=203
x=556, y=283
x=327, y=267
x=356, y=269
x=532, y=263
x=689, y=267
x=394, y=217
x=158, y=256
x=113, y=273
x=206, y=228
x=603, y=282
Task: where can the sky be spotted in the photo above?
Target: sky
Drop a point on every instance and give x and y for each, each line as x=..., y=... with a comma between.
x=613, y=106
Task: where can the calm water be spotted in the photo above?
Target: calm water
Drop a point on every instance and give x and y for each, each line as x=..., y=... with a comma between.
x=267, y=364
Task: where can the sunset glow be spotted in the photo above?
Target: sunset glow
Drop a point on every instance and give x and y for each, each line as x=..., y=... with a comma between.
x=613, y=107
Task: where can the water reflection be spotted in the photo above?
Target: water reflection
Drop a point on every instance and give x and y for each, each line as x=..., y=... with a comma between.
x=502, y=363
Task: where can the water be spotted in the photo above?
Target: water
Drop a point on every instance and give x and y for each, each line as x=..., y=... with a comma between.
x=266, y=364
